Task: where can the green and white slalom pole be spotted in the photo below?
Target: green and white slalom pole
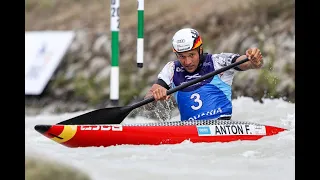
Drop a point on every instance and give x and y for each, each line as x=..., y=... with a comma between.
x=114, y=76
x=140, y=33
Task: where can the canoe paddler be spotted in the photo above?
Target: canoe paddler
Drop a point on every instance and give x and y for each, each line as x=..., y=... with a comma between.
x=211, y=98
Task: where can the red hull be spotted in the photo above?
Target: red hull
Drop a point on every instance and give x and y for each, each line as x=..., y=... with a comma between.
x=109, y=135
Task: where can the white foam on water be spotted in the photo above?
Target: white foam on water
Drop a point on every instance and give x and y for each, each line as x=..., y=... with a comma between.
x=271, y=157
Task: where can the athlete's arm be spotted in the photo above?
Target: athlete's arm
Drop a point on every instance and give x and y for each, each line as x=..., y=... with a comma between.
x=159, y=89
x=244, y=66
x=158, y=92
x=255, y=59
x=225, y=59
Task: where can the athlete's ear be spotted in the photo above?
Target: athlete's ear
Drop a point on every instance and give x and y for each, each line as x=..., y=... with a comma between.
x=201, y=50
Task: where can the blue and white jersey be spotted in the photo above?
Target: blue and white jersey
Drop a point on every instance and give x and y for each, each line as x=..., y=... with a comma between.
x=209, y=99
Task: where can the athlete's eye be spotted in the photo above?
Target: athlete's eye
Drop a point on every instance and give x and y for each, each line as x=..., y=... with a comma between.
x=181, y=57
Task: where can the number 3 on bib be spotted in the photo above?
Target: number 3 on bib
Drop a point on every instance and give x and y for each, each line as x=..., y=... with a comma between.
x=196, y=99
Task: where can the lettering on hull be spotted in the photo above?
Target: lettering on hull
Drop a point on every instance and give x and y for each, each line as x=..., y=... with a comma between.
x=234, y=129
x=101, y=127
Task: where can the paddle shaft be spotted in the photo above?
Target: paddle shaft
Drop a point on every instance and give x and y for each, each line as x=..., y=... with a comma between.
x=116, y=115
x=194, y=81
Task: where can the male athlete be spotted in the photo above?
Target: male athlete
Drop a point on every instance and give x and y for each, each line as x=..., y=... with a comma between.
x=211, y=98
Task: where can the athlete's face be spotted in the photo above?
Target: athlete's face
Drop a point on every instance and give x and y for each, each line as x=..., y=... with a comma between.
x=189, y=60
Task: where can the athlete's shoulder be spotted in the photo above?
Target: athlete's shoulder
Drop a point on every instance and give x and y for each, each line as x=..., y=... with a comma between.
x=169, y=66
x=224, y=59
x=167, y=72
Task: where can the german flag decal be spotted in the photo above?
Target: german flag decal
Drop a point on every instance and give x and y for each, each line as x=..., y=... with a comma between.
x=197, y=42
x=68, y=132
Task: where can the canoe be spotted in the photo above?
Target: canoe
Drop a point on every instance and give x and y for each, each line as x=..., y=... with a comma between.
x=196, y=131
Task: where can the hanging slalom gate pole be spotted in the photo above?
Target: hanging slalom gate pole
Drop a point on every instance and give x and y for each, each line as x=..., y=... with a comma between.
x=140, y=33
x=114, y=76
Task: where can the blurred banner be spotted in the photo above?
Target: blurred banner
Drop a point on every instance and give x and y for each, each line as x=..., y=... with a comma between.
x=43, y=52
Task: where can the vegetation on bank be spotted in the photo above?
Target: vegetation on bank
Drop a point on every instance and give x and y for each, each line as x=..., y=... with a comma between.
x=41, y=169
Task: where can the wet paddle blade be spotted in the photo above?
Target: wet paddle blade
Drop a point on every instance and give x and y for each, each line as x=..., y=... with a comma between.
x=114, y=115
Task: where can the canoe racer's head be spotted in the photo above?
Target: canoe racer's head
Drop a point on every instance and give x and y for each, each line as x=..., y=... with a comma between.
x=187, y=45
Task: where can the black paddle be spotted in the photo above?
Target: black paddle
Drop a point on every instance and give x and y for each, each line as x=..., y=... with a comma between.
x=115, y=115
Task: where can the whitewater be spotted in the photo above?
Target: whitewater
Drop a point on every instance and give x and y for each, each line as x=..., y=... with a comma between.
x=269, y=158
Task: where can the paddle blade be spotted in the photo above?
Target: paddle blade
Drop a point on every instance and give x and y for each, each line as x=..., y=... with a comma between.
x=114, y=115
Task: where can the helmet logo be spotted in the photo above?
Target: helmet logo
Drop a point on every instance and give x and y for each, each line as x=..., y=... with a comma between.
x=194, y=33
x=181, y=41
x=183, y=47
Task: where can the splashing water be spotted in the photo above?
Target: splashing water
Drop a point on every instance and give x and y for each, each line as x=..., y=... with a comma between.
x=268, y=158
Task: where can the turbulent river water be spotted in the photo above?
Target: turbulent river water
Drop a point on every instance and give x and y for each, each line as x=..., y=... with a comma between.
x=268, y=158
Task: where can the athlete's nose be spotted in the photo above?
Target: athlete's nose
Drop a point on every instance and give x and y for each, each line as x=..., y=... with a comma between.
x=188, y=61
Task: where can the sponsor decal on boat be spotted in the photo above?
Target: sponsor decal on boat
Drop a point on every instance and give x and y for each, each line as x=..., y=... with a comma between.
x=231, y=129
x=203, y=130
x=101, y=127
